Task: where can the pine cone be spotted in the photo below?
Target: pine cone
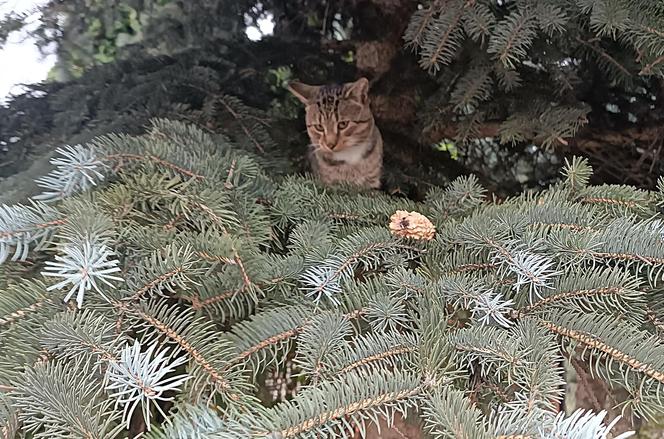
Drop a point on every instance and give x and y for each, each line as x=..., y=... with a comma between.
x=411, y=225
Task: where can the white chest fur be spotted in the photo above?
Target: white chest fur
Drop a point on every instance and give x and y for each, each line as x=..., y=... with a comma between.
x=353, y=155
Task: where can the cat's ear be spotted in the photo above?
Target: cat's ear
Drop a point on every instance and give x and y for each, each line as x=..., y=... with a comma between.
x=358, y=90
x=305, y=93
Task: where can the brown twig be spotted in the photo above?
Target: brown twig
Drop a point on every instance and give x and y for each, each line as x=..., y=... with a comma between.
x=152, y=158
x=604, y=55
x=45, y=225
x=246, y=131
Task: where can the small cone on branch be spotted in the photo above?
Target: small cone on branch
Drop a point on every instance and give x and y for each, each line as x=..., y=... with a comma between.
x=411, y=225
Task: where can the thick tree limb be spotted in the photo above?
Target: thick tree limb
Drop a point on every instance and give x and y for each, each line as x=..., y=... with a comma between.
x=628, y=155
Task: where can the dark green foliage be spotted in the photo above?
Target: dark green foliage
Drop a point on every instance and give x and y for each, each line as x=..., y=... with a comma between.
x=533, y=61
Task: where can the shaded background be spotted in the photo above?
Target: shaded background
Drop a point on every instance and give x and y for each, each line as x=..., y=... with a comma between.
x=445, y=102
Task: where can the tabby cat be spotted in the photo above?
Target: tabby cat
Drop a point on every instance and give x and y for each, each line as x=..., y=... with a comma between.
x=346, y=144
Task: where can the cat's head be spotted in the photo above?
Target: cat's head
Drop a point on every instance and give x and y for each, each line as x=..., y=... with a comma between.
x=338, y=116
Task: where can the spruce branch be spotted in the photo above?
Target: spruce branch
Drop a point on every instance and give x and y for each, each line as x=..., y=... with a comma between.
x=512, y=38
x=364, y=249
x=592, y=289
x=440, y=262
x=548, y=215
x=298, y=199
x=524, y=356
x=419, y=22
x=629, y=204
x=518, y=127
x=22, y=300
x=84, y=268
x=64, y=399
x=312, y=239
x=608, y=63
x=532, y=270
x=577, y=173
x=339, y=406
x=558, y=123
x=508, y=79
x=323, y=281
x=197, y=303
x=649, y=39
x=648, y=69
x=9, y=420
x=489, y=309
x=471, y=90
x=121, y=161
x=199, y=422
x=408, y=321
x=133, y=377
x=231, y=304
x=609, y=18
x=229, y=295
x=654, y=319
x=404, y=283
x=511, y=421
x=443, y=37
x=253, y=131
x=551, y=126
x=551, y=18
x=624, y=349
x=387, y=313
x=372, y=351
x=462, y=290
x=78, y=169
x=140, y=378
x=24, y=226
x=204, y=208
x=624, y=240
x=478, y=22
x=449, y=413
x=210, y=354
x=321, y=339
x=86, y=223
x=495, y=350
x=262, y=339
x=181, y=149
x=166, y=270
x=591, y=341
x=620, y=200
x=463, y=195
x=436, y=355
x=469, y=126
x=72, y=335
x=472, y=267
x=581, y=425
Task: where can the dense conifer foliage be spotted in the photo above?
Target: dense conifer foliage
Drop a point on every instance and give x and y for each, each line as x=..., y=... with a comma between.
x=167, y=270
x=158, y=279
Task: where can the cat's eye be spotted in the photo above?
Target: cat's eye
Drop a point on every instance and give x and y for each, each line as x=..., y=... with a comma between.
x=343, y=124
x=318, y=127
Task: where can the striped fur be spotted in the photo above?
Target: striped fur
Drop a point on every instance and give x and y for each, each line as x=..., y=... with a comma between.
x=346, y=144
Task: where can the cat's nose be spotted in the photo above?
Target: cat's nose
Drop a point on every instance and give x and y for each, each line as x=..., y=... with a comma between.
x=332, y=142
